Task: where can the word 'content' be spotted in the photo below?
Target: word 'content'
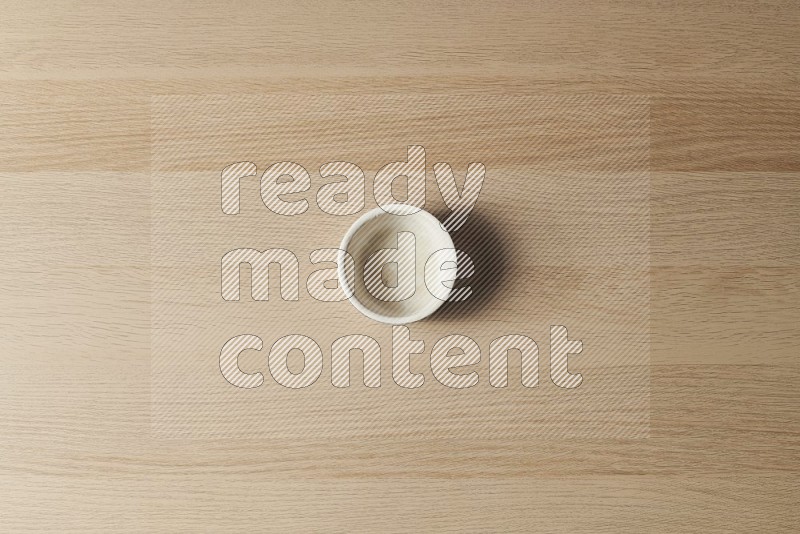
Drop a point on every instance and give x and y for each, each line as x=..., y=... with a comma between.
x=347, y=196
x=450, y=359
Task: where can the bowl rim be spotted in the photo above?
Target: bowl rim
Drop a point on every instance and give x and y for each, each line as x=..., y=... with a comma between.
x=389, y=209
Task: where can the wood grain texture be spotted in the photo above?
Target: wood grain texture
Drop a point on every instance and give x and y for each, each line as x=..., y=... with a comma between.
x=76, y=448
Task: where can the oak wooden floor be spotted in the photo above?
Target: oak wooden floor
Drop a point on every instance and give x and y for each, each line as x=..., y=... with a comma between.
x=76, y=448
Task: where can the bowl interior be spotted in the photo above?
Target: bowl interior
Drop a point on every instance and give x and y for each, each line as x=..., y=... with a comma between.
x=379, y=230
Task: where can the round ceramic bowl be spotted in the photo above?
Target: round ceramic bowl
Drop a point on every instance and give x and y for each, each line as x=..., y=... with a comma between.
x=378, y=229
